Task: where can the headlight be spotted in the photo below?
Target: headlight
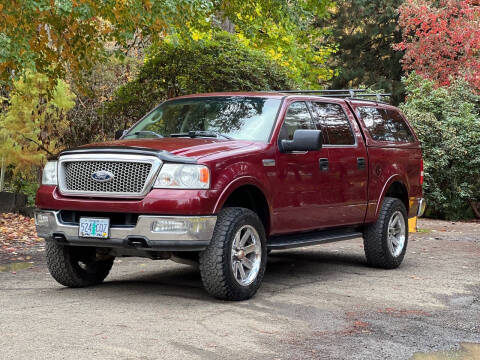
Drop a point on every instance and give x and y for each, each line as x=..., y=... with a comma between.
x=180, y=176
x=49, y=176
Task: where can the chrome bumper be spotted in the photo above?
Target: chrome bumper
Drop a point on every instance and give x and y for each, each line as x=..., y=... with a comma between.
x=190, y=233
x=421, y=207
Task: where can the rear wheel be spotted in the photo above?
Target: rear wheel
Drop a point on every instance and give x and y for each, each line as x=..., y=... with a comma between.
x=385, y=241
x=76, y=266
x=233, y=265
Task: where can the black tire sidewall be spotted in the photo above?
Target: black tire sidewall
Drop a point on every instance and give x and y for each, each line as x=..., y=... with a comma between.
x=248, y=218
x=215, y=261
x=96, y=270
x=394, y=207
x=62, y=262
x=375, y=236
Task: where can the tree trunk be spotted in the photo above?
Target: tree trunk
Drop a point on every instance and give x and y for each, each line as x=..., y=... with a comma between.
x=476, y=208
x=2, y=173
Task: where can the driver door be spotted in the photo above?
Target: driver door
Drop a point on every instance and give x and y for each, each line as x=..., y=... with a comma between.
x=300, y=182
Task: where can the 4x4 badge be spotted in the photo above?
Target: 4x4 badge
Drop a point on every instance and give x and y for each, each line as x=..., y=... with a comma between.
x=102, y=176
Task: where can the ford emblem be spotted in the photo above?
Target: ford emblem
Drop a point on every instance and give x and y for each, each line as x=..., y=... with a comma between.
x=102, y=176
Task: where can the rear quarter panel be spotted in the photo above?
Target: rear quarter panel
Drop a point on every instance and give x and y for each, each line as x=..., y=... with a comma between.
x=387, y=166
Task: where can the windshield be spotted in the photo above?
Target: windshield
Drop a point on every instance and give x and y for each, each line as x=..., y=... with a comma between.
x=230, y=117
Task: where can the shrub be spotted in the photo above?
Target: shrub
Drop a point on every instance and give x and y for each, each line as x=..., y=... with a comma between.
x=447, y=121
x=35, y=122
x=221, y=63
x=87, y=121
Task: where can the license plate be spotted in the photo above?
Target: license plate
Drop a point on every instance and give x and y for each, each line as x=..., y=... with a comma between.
x=94, y=228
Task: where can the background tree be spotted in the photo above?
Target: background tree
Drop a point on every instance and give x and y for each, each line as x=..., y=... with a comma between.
x=69, y=36
x=34, y=125
x=88, y=119
x=365, y=31
x=441, y=39
x=173, y=68
x=287, y=32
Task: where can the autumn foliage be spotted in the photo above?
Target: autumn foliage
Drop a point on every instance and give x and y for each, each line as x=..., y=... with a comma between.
x=35, y=123
x=441, y=39
x=67, y=36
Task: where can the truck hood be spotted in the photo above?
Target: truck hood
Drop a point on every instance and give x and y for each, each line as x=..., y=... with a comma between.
x=190, y=147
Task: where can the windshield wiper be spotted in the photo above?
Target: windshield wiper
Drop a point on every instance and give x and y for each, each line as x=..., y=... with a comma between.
x=201, y=133
x=145, y=132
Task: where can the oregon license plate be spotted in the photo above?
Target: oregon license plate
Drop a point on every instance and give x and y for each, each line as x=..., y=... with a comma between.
x=94, y=228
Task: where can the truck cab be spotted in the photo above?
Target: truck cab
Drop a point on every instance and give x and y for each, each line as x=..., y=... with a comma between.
x=221, y=179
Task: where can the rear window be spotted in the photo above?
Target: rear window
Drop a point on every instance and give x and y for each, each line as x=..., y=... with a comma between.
x=385, y=125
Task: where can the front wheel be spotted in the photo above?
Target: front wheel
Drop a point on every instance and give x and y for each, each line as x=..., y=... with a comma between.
x=385, y=241
x=76, y=266
x=233, y=265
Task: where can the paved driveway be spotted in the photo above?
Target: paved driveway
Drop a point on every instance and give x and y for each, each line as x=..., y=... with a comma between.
x=318, y=302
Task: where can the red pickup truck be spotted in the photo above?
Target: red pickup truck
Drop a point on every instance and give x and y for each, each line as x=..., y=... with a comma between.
x=221, y=179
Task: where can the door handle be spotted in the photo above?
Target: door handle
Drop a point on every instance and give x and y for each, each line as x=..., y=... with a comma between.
x=323, y=163
x=361, y=163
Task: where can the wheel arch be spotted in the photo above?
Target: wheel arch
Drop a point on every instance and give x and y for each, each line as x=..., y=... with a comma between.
x=246, y=192
x=397, y=187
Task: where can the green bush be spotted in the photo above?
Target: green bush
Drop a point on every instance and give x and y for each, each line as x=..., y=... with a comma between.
x=175, y=68
x=25, y=181
x=447, y=121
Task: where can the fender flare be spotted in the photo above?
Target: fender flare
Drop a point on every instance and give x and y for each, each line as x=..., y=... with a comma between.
x=392, y=179
x=234, y=185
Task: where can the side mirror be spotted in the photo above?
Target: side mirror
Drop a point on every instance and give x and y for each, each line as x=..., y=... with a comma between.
x=303, y=140
x=119, y=134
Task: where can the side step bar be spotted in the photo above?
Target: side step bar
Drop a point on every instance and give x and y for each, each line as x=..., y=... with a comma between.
x=311, y=238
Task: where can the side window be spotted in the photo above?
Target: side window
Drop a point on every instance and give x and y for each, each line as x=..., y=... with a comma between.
x=297, y=117
x=385, y=125
x=398, y=128
x=334, y=121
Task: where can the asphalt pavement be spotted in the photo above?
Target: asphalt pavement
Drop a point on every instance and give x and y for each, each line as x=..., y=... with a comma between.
x=320, y=302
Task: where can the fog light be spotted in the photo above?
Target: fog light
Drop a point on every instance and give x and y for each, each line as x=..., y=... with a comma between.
x=179, y=225
x=42, y=219
x=170, y=225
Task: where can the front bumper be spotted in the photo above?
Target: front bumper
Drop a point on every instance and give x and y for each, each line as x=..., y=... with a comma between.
x=192, y=233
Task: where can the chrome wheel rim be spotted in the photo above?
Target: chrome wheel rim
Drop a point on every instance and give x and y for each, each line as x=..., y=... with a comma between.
x=396, y=233
x=246, y=255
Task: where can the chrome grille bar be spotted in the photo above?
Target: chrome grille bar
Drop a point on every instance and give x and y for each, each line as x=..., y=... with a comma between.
x=129, y=176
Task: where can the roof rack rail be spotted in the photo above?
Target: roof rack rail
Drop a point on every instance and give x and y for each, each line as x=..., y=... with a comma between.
x=342, y=93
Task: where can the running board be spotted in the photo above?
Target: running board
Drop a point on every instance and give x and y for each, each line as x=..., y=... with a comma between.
x=311, y=238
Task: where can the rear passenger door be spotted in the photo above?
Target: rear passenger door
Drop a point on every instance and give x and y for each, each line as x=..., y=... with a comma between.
x=347, y=167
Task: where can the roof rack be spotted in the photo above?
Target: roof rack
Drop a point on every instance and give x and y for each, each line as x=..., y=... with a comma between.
x=341, y=93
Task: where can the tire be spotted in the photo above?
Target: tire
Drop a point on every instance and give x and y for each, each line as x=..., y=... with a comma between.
x=76, y=266
x=380, y=249
x=217, y=262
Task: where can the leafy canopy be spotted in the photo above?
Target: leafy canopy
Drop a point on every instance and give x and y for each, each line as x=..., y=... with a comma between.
x=441, y=39
x=447, y=122
x=287, y=32
x=35, y=121
x=365, y=31
x=66, y=36
x=219, y=63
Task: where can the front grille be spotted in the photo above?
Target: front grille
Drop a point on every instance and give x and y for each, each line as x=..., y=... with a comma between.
x=128, y=177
